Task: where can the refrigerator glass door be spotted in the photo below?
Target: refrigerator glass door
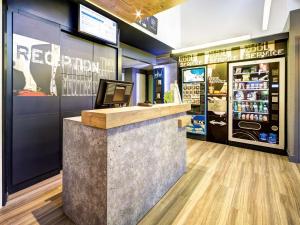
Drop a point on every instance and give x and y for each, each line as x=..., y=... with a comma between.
x=257, y=102
x=194, y=92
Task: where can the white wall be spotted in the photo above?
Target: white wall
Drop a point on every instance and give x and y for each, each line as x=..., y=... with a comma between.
x=169, y=27
x=293, y=4
x=207, y=21
x=140, y=88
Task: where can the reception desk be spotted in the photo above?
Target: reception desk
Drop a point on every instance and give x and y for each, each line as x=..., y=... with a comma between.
x=119, y=162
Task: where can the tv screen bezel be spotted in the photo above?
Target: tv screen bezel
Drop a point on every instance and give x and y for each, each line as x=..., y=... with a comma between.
x=94, y=36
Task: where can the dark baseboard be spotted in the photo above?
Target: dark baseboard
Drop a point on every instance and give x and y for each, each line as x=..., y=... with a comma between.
x=196, y=136
x=258, y=148
x=31, y=182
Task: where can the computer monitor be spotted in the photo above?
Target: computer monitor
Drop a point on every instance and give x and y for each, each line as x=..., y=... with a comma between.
x=112, y=93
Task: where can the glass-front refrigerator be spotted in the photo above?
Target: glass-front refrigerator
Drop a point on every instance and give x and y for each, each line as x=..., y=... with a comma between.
x=257, y=102
x=194, y=92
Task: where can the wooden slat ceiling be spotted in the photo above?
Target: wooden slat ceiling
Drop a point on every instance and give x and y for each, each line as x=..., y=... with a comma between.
x=126, y=9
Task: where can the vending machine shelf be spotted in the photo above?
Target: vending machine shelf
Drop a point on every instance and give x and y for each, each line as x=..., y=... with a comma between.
x=248, y=100
x=251, y=81
x=251, y=89
x=256, y=73
x=262, y=113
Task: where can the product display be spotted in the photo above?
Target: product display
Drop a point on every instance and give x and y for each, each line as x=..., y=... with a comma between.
x=194, y=92
x=191, y=93
x=256, y=91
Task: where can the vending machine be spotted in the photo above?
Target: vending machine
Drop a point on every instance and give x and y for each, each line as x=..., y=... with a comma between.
x=194, y=92
x=257, y=103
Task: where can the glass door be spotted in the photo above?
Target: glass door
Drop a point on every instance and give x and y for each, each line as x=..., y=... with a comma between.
x=194, y=92
x=257, y=102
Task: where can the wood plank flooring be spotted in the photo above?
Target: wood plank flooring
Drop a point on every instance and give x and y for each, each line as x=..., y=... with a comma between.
x=223, y=185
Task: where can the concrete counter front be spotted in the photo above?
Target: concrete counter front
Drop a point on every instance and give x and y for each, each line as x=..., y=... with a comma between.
x=118, y=163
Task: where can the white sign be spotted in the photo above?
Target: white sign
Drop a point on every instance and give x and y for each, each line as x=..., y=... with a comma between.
x=91, y=22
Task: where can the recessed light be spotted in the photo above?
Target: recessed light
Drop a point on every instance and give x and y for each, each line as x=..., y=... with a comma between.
x=138, y=13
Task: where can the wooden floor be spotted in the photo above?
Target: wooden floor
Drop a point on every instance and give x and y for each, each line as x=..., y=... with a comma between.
x=223, y=185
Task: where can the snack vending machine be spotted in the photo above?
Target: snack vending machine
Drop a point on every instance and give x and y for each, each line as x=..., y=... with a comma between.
x=194, y=92
x=257, y=102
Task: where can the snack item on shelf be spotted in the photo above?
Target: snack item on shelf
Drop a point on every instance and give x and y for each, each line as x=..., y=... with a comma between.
x=255, y=107
x=263, y=136
x=224, y=88
x=251, y=108
x=239, y=107
x=261, y=85
x=238, y=70
x=261, y=108
x=247, y=117
x=243, y=107
x=272, y=138
x=247, y=108
x=246, y=77
x=239, y=95
x=241, y=85
x=235, y=107
x=211, y=89
x=253, y=69
x=236, y=85
x=239, y=116
x=264, y=77
x=263, y=68
x=251, y=117
x=265, y=108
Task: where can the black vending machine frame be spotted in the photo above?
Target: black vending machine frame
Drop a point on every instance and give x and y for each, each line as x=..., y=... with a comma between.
x=217, y=131
x=189, y=134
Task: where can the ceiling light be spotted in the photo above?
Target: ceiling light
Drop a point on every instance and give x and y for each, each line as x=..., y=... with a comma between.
x=266, y=16
x=212, y=44
x=138, y=13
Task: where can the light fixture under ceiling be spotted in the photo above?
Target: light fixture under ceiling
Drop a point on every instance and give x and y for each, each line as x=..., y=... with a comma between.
x=266, y=15
x=212, y=44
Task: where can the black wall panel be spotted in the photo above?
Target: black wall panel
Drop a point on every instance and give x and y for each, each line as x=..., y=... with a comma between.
x=36, y=146
x=55, y=75
x=76, y=104
x=63, y=12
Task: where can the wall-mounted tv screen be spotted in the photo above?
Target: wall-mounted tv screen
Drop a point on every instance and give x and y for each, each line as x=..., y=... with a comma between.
x=93, y=23
x=194, y=75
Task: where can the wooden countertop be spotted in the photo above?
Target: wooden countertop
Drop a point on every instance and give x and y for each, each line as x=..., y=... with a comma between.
x=116, y=117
